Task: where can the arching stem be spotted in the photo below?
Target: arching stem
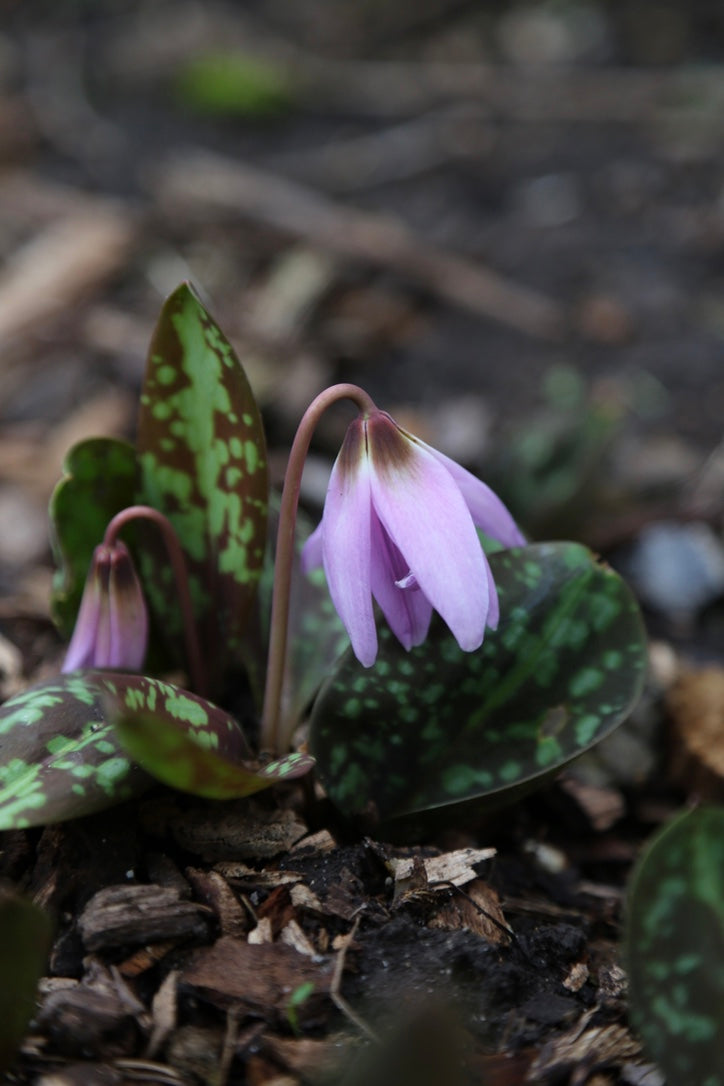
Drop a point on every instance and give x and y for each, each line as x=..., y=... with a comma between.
x=194, y=660
x=272, y=738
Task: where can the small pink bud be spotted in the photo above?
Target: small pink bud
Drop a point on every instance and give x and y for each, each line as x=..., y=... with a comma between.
x=111, y=629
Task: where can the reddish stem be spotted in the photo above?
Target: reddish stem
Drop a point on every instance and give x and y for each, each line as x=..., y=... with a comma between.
x=272, y=738
x=194, y=659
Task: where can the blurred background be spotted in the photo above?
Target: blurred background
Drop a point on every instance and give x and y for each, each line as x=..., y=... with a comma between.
x=505, y=220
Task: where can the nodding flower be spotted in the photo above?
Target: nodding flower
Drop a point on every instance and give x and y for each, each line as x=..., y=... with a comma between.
x=399, y=525
x=111, y=629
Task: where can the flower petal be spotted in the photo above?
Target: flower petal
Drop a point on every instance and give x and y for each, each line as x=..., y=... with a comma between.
x=346, y=546
x=486, y=508
x=423, y=511
x=407, y=610
x=127, y=614
x=311, y=556
x=82, y=647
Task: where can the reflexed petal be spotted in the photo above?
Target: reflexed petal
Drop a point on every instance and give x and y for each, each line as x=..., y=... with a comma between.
x=407, y=610
x=311, y=556
x=486, y=508
x=346, y=552
x=423, y=511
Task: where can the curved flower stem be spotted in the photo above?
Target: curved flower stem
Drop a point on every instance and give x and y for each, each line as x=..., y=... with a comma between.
x=271, y=738
x=194, y=660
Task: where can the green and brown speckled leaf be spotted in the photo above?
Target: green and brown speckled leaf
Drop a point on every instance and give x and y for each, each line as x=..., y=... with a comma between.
x=675, y=948
x=176, y=757
x=25, y=936
x=99, y=479
x=438, y=726
x=316, y=635
x=202, y=462
x=59, y=754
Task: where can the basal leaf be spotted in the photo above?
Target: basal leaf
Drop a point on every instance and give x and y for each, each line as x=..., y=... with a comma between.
x=185, y=760
x=316, y=636
x=439, y=726
x=59, y=753
x=202, y=462
x=25, y=936
x=675, y=948
x=99, y=479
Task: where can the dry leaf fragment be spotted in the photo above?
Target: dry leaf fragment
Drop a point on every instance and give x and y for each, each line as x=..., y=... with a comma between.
x=293, y=935
x=265, y=879
x=262, y=933
x=304, y=898
x=164, y=1008
x=213, y=890
x=64, y=261
x=477, y=910
x=696, y=706
x=257, y=980
x=582, y=1047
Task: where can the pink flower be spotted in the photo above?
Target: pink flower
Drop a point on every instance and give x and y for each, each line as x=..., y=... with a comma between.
x=399, y=525
x=111, y=629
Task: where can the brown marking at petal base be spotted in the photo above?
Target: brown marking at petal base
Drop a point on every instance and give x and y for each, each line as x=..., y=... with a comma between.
x=125, y=579
x=390, y=448
x=353, y=449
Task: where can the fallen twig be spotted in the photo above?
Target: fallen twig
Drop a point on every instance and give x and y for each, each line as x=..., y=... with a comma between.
x=199, y=181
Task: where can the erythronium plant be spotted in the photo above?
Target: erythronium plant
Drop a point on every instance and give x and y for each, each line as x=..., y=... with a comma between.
x=398, y=525
x=486, y=665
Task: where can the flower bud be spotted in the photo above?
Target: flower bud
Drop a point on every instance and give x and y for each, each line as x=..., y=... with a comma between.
x=111, y=629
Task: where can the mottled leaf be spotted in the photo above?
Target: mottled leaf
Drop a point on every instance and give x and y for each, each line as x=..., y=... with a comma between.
x=438, y=726
x=59, y=753
x=675, y=948
x=99, y=479
x=202, y=462
x=177, y=757
x=316, y=636
x=25, y=935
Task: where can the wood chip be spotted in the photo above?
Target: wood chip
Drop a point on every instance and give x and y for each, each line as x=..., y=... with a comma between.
x=232, y=831
x=322, y=841
x=120, y=916
x=452, y=867
x=583, y=1046
x=265, y=879
x=145, y=958
x=577, y=977
x=304, y=898
x=213, y=890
